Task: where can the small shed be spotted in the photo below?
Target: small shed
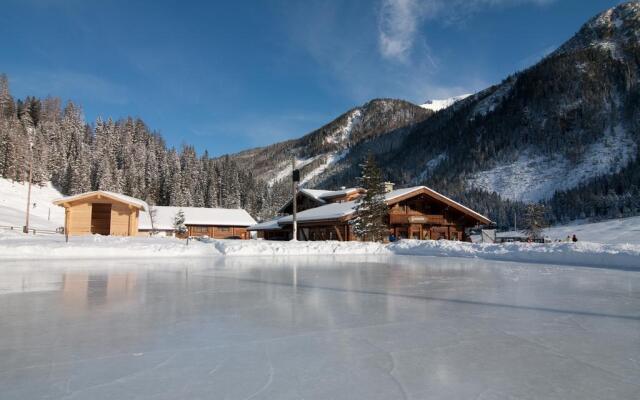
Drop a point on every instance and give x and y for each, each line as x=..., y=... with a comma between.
x=217, y=223
x=101, y=212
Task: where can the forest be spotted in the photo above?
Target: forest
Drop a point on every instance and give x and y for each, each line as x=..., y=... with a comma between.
x=123, y=156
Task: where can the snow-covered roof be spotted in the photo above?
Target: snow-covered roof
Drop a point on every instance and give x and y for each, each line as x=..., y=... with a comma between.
x=328, y=211
x=341, y=210
x=454, y=203
x=266, y=225
x=195, y=216
x=115, y=196
x=321, y=195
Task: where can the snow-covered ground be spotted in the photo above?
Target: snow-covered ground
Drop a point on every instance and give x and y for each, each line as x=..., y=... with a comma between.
x=355, y=328
x=622, y=230
x=18, y=246
x=13, y=202
x=612, y=231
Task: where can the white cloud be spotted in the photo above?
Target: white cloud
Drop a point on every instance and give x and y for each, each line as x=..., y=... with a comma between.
x=400, y=20
x=398, y=25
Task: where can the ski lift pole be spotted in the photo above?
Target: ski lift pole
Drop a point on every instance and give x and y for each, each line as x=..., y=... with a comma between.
x=295, y=178
x=26, y=224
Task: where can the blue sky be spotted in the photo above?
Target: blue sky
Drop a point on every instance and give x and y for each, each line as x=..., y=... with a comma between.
x=226, y=76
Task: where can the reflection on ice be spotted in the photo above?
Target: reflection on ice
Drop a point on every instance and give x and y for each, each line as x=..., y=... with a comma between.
x=333, y=328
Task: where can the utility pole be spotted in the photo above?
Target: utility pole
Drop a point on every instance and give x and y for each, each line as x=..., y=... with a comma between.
x=515, y=221
x=295, y=178
x=26, y=225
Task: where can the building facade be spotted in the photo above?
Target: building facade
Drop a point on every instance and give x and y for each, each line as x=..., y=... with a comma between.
x=216, y=223
x=414, y=213
x=101, y=212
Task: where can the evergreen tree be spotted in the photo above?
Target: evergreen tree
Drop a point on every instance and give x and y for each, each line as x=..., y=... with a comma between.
x=371, y=209
x=178, y=223
x=534, y=221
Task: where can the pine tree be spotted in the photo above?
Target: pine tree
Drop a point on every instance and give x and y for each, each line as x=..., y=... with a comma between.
x=371, y=209
x=534, y=221
x=178, y=223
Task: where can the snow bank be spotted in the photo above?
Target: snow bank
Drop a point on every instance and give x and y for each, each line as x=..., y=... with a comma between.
x=15, y=245
x=19, y=246
x=580, y=253
x=272, y=248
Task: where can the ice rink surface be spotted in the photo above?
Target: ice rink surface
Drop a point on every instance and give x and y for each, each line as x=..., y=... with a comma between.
x=317, y=328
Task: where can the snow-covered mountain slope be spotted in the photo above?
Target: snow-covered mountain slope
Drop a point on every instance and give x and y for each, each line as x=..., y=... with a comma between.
x=43, y=215
x=319, y=151
x=612, y=31
x=535, y=177
x=437, y=105
x=571, y=122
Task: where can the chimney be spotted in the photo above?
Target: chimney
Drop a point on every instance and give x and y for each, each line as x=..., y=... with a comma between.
x=388, y=186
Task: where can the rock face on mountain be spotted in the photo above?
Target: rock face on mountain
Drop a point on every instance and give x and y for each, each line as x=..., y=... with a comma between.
x=565, y=130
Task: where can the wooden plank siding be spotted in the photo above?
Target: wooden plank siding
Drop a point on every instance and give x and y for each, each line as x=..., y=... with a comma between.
x=218, y=231
x=100, y=215
x=417, y=216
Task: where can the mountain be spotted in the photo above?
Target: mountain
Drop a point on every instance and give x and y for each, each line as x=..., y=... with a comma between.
x=437, y=105
x=564, y=132
x=319, y=151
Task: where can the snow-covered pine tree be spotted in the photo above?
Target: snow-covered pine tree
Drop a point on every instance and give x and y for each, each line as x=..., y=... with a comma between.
x=371, y=209
x=178, y=223
x=534, y=221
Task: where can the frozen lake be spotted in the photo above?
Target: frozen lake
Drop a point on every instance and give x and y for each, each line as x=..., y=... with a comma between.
x=303, y=328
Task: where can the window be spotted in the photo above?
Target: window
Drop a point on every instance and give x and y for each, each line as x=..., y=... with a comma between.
x=224, y=228
x=200, y=230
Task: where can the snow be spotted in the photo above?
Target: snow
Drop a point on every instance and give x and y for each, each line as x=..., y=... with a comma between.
x=339, y=210
x=329, y=160
x=196, y=216
x=13, y=201
x=430, y=166
x=327, y=211
x=343, y=133
x=317, y=328
x=267, y=225
x=533, y=177
x=19, y=246
x=321, y=195
x=615, y=231
x=285, y=168
x=437, y=105
x=15, y=245
x=489, y=103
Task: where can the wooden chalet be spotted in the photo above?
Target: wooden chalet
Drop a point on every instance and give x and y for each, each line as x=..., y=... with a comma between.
x=415, y=213
x=217, y=223
x=101, y=212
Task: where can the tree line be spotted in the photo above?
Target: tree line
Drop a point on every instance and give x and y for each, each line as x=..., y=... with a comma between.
x=122, y=156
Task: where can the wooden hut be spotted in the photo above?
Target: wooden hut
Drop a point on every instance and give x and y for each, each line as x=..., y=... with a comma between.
x=102, y=213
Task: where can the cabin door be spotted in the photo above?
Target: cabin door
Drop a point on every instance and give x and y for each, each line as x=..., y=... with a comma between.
x=101, y=219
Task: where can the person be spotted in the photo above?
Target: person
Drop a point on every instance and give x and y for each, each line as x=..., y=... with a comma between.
x=574, y=239
x=568, y=239
x=392, y=238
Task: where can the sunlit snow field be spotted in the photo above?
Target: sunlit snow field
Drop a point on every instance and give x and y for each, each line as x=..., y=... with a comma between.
x=317, y=328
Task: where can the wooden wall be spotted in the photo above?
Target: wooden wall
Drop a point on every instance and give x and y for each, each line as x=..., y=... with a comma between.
x=79, y=219
x=218, y=232
x=124, y=218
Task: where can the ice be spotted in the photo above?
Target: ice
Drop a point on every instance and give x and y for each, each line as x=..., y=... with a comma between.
x=336, y=328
